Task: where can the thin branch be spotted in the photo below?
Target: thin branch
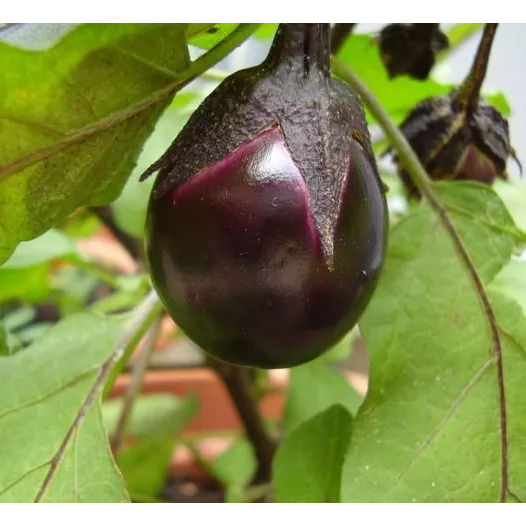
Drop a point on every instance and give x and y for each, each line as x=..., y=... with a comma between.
x=141, y=319
x=138, y=371
x=469, y=93
x=421, y=180
x=237, y=383
x=130, y=243
x=215, y=75
x=204, y=62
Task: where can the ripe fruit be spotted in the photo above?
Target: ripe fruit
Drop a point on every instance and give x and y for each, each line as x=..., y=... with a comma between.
x=267, y=224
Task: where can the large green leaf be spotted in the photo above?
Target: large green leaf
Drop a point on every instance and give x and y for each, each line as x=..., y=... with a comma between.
x=307, y=466
x=90, y=74
x=430, y=427
x=44, y=389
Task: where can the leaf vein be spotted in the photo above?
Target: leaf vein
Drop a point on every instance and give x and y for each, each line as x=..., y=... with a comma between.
x=449, y=413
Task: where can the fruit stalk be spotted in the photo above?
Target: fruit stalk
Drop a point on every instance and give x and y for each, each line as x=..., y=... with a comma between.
x=469, y=93
x=310, y=43
x=237, y=382
x=131, y=244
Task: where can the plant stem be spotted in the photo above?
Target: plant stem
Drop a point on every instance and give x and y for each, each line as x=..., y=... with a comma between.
x=406, y=154
x=131, y=244
x=237, y=382
x=339, y=34
x=139, y=323
x=469, y=93
x=215, y=75
x=420, y=179
x=138, y=371
x=155, y=308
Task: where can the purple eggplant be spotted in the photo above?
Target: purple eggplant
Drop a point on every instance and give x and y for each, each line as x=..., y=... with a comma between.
x=267, y=224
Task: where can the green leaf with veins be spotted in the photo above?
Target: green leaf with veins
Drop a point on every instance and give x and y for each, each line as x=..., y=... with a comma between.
x=44, y=389
x=91, y=73
x=430, y=428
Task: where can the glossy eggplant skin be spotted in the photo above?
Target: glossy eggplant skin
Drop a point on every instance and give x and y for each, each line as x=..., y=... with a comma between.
x=267, y=226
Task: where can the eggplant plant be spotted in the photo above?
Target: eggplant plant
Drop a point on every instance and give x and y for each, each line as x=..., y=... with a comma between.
x=331, y=213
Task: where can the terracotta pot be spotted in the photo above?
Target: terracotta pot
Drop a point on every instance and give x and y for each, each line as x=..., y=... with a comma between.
x=217, y=413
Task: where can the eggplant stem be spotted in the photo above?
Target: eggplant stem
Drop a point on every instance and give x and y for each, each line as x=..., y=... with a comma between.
x=469, y=93
x=237, y=382
x=305, y=45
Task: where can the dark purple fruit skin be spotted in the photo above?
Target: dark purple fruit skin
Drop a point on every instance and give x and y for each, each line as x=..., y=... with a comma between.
x=266, y=229
x=457, y=143
x=411, y=49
